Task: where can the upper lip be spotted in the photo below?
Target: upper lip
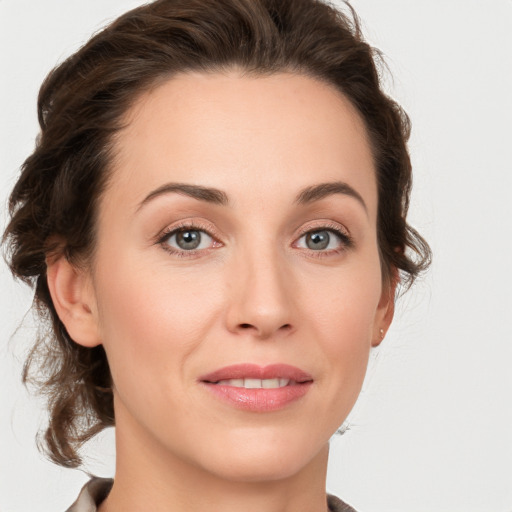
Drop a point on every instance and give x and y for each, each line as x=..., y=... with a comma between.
x=254, y=371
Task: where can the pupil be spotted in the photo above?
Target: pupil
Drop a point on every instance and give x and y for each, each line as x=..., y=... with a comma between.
x=317, y=240
x=188, y=239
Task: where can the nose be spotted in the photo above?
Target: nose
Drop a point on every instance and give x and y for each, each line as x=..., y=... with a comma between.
x=261, y=302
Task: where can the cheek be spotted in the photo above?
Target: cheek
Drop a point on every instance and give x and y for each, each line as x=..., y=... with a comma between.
x=150, y=321
x=344, y=304
x=343, y=315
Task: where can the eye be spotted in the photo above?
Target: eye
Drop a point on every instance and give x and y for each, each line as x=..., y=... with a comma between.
x=325, y=240
x=187, y=239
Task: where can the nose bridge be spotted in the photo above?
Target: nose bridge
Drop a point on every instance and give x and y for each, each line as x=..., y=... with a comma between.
x=261, y=285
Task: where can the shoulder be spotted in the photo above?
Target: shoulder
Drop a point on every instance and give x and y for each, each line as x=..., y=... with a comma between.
x=97, y=489
x=336, y=505
x=91, y=495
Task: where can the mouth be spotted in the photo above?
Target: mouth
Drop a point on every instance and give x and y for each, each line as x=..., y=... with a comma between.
x=246, y=383
x=258, y=388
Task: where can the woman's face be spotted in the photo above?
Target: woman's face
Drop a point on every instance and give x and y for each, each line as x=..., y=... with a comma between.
x=237, y=249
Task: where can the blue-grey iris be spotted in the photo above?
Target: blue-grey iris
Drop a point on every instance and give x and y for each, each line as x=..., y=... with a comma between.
x=318, y=240
x=188, y=240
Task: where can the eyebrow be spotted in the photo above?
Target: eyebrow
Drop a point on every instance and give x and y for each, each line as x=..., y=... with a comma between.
x=322, y=190
x=219, y=197
x=208, y=194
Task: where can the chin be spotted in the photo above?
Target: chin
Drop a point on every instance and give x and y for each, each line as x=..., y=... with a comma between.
x=262, y=471
x=266, y=461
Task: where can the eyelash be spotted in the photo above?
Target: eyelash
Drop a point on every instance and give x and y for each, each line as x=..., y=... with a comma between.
x=345, y=239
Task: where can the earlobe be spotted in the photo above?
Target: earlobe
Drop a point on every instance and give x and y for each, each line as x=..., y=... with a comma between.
x=385, y=311
x=74, y=301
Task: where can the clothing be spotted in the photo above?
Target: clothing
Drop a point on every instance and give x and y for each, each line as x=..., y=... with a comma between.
x=91, y=495
x=97, y=489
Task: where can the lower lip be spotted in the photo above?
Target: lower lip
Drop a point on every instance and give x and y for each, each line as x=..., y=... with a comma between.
x=260, y=399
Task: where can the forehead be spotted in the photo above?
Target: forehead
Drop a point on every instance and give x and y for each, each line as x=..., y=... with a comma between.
x=252, y=135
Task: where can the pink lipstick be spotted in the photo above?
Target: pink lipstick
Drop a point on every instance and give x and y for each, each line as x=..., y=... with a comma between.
x=258, y=388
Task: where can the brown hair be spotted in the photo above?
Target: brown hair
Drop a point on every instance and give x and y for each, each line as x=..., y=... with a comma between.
x=81, y=106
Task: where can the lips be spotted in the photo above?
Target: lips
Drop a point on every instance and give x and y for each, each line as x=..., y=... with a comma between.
x=258, y=388
x=253, y=371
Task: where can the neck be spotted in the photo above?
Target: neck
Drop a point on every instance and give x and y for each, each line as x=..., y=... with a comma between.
x=149, y=478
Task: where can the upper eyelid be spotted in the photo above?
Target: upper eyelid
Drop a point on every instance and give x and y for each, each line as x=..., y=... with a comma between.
x=174, y=231
x=327, y=225
x=319, y=230
x=182, y=225
x=344, y=236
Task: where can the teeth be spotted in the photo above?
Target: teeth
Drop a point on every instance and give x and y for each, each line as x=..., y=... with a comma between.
x=270, y=383
x=256, y=383
x=252, y=383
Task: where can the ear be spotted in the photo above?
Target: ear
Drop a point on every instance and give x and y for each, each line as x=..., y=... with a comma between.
x=385, y=309
x=74, y=300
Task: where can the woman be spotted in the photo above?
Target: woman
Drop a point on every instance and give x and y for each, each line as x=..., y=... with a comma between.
x=214, y=220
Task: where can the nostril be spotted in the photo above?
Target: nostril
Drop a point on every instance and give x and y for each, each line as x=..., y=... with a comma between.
x=263, y=332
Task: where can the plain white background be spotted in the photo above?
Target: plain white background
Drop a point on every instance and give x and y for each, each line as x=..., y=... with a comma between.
x=432, y=431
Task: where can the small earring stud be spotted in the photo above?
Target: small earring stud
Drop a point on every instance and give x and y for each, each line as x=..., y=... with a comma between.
x=381, y=334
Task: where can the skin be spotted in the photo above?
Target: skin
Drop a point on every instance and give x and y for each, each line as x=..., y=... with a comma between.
x=254, y=292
